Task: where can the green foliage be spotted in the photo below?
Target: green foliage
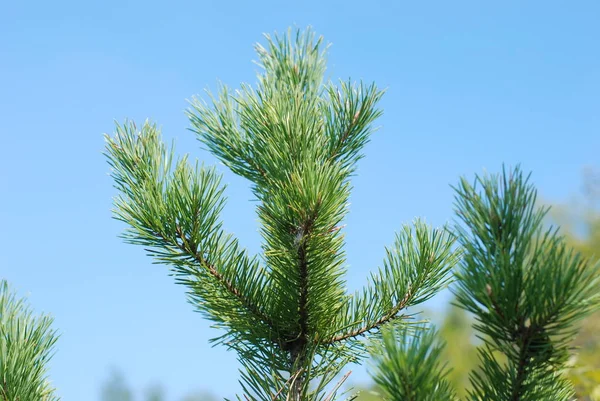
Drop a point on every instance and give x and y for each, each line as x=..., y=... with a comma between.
x=525, y=286
x=580, y=223
x=155, y=393
x=461, y=354
x=297, y=139
x=26, y=346
x=527, y=289
x=115, y=388
x=408, y=366
x=583, y=365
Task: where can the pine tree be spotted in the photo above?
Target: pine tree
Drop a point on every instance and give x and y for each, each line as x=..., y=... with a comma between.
x=26, y=346
x=297, y=139
x=526, y=288
x=408, y=365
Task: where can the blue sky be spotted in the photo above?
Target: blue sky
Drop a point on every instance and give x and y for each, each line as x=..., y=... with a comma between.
x=470, y=85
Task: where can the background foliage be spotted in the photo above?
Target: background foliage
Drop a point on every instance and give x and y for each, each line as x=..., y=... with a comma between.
x=580, y=223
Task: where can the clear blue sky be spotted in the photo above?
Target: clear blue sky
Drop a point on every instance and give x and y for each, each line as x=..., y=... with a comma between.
x=470, y=85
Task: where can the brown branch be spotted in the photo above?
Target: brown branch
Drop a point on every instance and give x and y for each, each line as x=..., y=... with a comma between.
x=517, y=390
x=186, y=247
x=298, y=346
x=391, y=315
x=303, y=300
x=290, y=380
x=337, y=386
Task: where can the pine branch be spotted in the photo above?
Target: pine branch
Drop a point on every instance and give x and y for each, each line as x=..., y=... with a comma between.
x=391, y=315
x=407, y=366
x=522, y=362
x=344, y=137
x=525, y=289
x=298, y=346
x=175, y=212
x=415, y=268
x=353, y=108
x=26, y=346
x=192, y=250
x=218, y=128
